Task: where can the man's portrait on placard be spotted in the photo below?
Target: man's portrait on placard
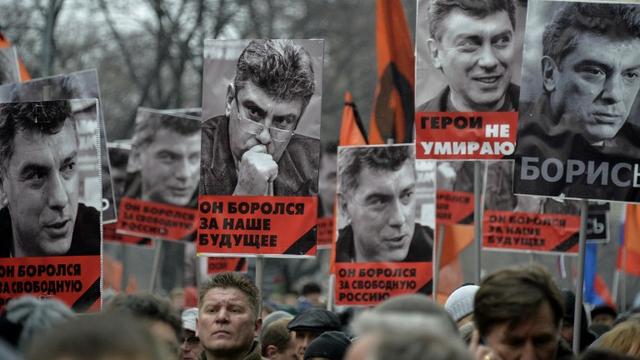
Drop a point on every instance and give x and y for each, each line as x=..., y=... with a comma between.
x=164, y=162
x=468, y=55
x=582, y=76
x=381, y=217
x=77, y=85
x=47, y=206
x=261, y=117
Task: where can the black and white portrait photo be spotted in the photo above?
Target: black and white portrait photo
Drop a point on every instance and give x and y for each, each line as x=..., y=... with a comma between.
x=164, y=162
x=46, y=210
x=468, y=55
x=380, y=212
x=261, y=117
x=579, y=133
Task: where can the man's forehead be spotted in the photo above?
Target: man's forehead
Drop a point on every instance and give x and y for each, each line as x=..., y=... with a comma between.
x=231, y=294
x=376, y=179
x=166, y=138
x=610, y=49
x=271, y=104
x=33, y=147
x=462, y=23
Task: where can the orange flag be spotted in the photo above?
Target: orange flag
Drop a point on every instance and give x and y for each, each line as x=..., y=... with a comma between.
x=24, y=74
x=629, y=252
x=393, y=111
x=456, y=238
x=351, y=129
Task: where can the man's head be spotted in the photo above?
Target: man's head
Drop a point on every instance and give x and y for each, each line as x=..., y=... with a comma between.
x=518, y=311
x=273, y=85
x=162, y=320
x=472, y=43
x=591, y=67
x=38, y=175
x=166, y=151
x=276, y=341
x=377, y=186
x=310, y=324
x=190, y=347
x=228, y=314
x=99, y=337
x=603, y=314
x=332, y=345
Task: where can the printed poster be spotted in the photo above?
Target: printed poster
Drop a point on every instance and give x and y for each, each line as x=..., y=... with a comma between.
x=386, y=219
x=467, y=80
x=579, y=122
x=161, y=190
x=260, y=147
x=77, y=85
x=50, y=219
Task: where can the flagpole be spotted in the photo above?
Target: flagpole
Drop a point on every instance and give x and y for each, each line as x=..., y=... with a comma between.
x=623, y=286
x=155, y=268
x=331, y=293
x=477, y=218
x=577, y=312
x=436, y=264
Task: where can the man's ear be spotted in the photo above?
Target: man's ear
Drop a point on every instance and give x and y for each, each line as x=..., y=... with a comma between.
x=434, y=52
x=135, y=160
x=197, y=327
x=344, y=209
x=271, y=351
x=258, y=327
x=549, y=73
x=231, y=94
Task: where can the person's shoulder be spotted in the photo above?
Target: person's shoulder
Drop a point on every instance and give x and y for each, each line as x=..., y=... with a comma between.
x=513, y=93
x=86, y=234
x=5, y=232
x=427, y=231
x=344, y=244
x=437, y=103
x=304, y=149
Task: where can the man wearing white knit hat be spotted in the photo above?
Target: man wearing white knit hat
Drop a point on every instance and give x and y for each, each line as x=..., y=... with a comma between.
x=190, y=347
x=460, y=304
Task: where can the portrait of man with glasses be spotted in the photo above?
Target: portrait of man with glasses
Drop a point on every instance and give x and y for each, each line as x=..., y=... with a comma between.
x=253, y=149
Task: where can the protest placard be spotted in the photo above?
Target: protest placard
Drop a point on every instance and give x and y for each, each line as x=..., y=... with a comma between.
x=50, y=227
x=260, y=147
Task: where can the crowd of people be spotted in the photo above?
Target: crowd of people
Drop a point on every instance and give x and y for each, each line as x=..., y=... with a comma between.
x=514, y=313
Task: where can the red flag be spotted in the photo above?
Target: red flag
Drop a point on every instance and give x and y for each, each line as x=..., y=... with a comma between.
x=629, y=251
x=392, y=115
x=351, y=130
x=24, y=74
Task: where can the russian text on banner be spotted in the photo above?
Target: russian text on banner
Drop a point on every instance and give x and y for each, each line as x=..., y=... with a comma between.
x=257, y=225
x=75, y=280
x=372, y=283
x=530, y=232
x=150, y=219
x=465, y=135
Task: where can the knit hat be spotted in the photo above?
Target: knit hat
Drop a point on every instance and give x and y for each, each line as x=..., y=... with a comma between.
x=331, y=345
x=36, y=315
x=189, y=317
x=460, y=302
x=315, y=320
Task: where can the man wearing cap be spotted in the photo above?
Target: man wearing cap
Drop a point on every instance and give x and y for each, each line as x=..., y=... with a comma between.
x=331, y=345
x=311, y=324
x=190, y=347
